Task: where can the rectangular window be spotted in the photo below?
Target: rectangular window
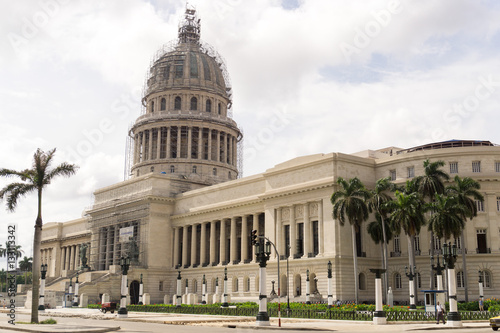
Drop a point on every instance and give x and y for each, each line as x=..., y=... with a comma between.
x=460, y=279
x=458, y=243
x=392, y=174
x=397, y=247
x=497, y=166
x=479, y=205
x=481, y=241
x=417, y=245
x=397, y=281
x=453, y=167
x=436, y=243
x=498, y=204
x=411, y=172
x=476, y=166
x=179, y=68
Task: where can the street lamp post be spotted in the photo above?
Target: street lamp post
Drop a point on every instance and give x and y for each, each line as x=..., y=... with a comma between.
x=439, y=272
x=70, y=291
x=216, y=290
x=43, y=271
x=225, y=304
x=187, y=288
x=287, y=282
x=204, y=290
x=262, y=255
x=410, y=276
x=141, y=292
x=379, y=314
x=308, y=288
x=77, y=285
x=481, y=286
x=125, y=264
x=330, y=289
x=178, y=297
x=450, y=257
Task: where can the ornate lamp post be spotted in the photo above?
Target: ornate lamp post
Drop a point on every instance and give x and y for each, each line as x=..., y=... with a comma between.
x=287, y=283
x=450, y=257
x=187, y=288
x=70, y=291
x=262, y=255
x=439, y=272
x=77, y=285
x=330, y=295
x=410, y=276
x=178, y=298
x=481, y=286
x=379, y=314
x=125, y=264
x=204, y=291
x=224, y=302
x=216, y=289
x=141, y=292
x=43, y=271
x=308, y=288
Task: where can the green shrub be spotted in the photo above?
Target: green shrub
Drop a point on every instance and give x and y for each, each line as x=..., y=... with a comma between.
x=49, y=321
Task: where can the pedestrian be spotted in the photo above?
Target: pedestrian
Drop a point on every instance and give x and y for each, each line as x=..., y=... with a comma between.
x=481, y=305
x=440, y=313
x=338, y=303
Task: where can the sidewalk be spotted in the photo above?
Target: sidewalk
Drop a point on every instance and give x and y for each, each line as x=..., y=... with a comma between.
x=214, y=321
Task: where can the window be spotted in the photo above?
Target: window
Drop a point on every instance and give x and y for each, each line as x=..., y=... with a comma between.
x=235, y=285
x=208, y=106
x=416, y=244
x=486, y=277
x=362, y=281
x=476, y=166
x=498, y=204
x=193, y=65
x=479, y=205
x=194, y=103
x=497, y=166
x=206, y=69
x=195, y=286
x=453, y=167
x=419, y=280
x=177, y=103
x=481, y=241
x=172, y=169
x=214, y=171
x=460, y=279
x=163, y=105
x=195, y=168
x=160, y=286
x=166, y=73
x=179, y=68
x=397, y=281
x=152, y=106
x=220, y=111
x=392, y=174
x=152, y=169
x=458, y=243
x=411, y=172
x=229, y=175
x=397, y=247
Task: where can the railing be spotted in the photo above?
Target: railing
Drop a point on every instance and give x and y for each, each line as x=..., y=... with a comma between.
x=483, y=250
x=395, y=254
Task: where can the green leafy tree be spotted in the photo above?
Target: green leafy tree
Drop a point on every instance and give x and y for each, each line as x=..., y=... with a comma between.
x=349, y=205
x=447, y=217
x=26, y=265
x=31, y=180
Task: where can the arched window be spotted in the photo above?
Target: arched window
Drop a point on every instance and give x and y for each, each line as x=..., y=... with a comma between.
x=194, y=103
x=362, y=281
x=209, y=106
x=195, y=168
x=152, y=106
x=172, y=169
x=163, y=105
x=247, y=284
x=229, y=175
x=214, y=171
x=235, y=284
x=195, y=286
x=486, y=278
x=177, y=103
x=397, y=281
x=460, y=279
x=219, y=108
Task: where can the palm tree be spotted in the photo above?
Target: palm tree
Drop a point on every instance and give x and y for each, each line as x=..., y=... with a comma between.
x=34, y=180
x=376, y=231
x=465, y=191
x=26, y=266
x=378, y=203
x=349, y=204
x=447, y=218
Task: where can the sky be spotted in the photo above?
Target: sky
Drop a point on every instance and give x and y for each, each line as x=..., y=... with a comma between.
x=308, y=77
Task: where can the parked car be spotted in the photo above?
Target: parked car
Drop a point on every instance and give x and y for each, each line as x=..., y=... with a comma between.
x=108, y=306
x=495, y=323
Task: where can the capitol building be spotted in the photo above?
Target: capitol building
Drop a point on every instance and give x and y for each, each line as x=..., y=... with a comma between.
x=186, y=208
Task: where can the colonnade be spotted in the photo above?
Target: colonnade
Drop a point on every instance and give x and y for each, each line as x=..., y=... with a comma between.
x=70, y=257
x=193, y=142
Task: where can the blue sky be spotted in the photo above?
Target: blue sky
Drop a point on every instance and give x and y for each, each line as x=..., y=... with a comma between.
x=338, y=76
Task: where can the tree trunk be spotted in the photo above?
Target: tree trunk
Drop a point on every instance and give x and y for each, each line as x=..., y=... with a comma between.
x=355, y=261
x=385, y=264
x=37, y=240
x=464, y=263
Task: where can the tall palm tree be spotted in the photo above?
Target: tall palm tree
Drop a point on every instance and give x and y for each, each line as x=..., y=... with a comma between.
x=465, y=191
x=26, y=265
x=376, y=230
x=349, y=204
x=447, y=218
x=34, y=180
x=378, y=203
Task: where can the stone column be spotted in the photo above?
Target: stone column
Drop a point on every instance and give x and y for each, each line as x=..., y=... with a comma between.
x=281, y=233
x=176, y=246
x=293, y=232
x=255, y=226
x=179, y=139
x=158, y=142
x=209, y=144
x=150, y=144
x=307, y=231
x=194, y=244
x=222, y=252
x=234, y=240
x=63, y=258
x=185, y=246
x=168, y=151
x=68, y=257
x=200, y=143
x=136, y=148
x=77, y=257
x=213, y=230
x=244, y=238
x=109, y=242
x=217, y=158
x=203, y=244
x=189, y=142
x=321, y=227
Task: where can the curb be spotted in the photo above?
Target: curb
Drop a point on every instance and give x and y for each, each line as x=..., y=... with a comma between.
x=314, y=329
x=62, y=328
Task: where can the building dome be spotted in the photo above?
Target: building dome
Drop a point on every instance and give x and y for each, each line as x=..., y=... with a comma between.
x=186, y=128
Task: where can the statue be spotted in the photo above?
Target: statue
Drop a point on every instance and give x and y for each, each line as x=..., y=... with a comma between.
x=133, y=251
x=83, y=255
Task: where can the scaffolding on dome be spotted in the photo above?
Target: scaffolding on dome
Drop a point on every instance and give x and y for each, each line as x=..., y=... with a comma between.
x=121, y=233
